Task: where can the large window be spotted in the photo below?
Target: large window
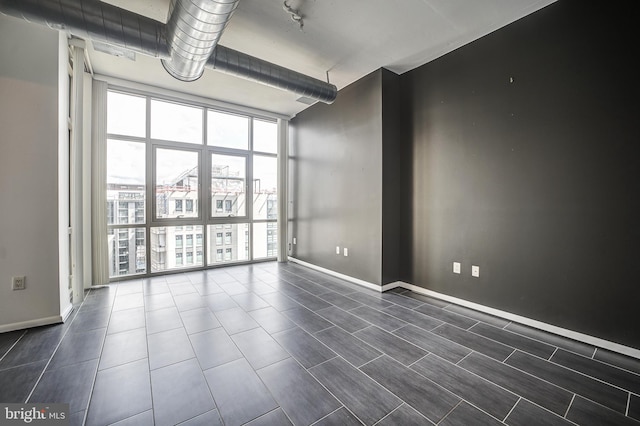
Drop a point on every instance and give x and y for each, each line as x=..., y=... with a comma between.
x=179, y=172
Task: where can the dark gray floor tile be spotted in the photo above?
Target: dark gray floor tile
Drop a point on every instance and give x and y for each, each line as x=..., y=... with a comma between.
x=606, y=373
x=446, y=316
x=532, y=388
x=122, y=348
x=276, y=417
x=271, y=320
x=239, y=393
x=480, y=316
x=465, y=414
x=634, y=407
x=214, y=347
x=236, y=320
x=514, y=340
x=259, y=348
x=17, y=382
x=339, y=300
x=70, y=385
x=210, y=418
x=181, y=288
x=129, y=319
x=347, y=346
x=405, y=416
x=7, y=340
x=197, y=320
x=207, y=288
x=430, y=342
x=180, y=392
x=311, y=287
x=153, y=302
x=427, y=299
x=298, y=393
x=233, y=288
x=340, y=417
x=259, y=288
x=413, y=317
x=618, y=360
x=378, y=318
x=128, y=301
x=249, y=301
x=526, y=413
x=307, y=319
x=602, y=393
x=303, y=347
x=77, y=347
x=585, y=412
x=169, y=347
x=481, y=393
x=77, y=419
x=219, y=302
x=552, y=339
x=398, y=299
x=366, y=299
x=36, y=345
x=473, y=341
x=91, y=319
x=163, y=320
x=364, y=397
x=143, y=419
x=309, y=301
x=343, y=319
x=186, y=302
x=280, y=301
x=129, y=287
x=395, y=347
x=431, y=400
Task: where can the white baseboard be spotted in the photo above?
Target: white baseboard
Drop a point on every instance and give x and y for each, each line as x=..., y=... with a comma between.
x=370, y=286
x=57, y=319
x=581, y=337
x=65, y=314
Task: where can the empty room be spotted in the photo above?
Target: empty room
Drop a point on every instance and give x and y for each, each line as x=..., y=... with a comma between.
x=314, y=212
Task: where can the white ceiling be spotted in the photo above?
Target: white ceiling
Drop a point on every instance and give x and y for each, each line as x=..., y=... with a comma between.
x=347, y=38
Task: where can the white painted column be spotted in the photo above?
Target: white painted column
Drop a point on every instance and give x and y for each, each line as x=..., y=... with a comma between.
x=283, y=161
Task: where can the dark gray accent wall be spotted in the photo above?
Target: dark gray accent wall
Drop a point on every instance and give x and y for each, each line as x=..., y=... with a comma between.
x=526, y=162
x=335, y=181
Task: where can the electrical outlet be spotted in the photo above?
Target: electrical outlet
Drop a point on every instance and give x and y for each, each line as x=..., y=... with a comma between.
x=475, y=271
x=337, y=249
x=346, y=251
x=18, y=283
x=456, y=267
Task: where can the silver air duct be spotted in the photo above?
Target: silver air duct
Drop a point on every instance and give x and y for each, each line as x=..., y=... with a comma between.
x=251, y=68
x=185, y=44
x=193, y=31
x=94, y=20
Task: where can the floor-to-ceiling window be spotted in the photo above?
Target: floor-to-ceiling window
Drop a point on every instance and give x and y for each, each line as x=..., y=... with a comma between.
x=188, y=186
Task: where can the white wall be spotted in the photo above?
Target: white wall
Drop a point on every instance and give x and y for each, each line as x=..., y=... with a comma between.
x=29, y=135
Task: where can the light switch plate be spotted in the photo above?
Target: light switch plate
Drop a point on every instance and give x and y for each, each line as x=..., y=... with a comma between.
x=456, y=267
x=337, y=249
x=346, y=251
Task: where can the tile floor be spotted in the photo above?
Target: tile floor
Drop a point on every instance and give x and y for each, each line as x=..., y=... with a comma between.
x=279, y=344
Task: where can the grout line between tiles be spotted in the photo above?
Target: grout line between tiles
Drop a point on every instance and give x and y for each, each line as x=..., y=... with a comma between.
x=512, y=408
x=566, y=413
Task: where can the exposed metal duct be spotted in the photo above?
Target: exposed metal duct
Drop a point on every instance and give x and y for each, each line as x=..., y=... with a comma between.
x=181, y=46
x=251, y=68
x=193, y=31
x=94, y=20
